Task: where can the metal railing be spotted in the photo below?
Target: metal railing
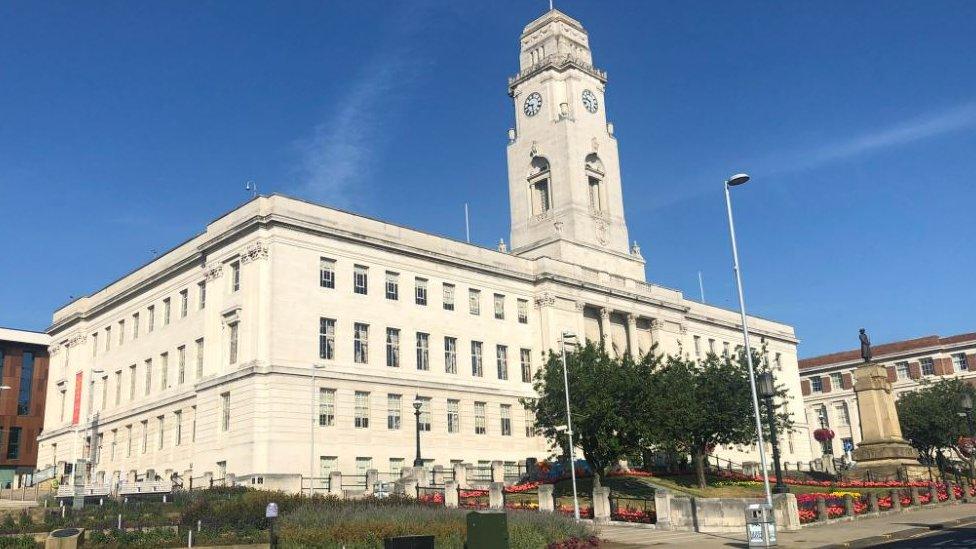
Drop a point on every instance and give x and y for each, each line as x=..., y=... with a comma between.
x=353, y=482
x=632, y=508
x=430, y=495
x=318, y=485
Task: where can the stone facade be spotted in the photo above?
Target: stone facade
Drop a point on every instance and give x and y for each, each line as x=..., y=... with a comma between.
x=828, y=380
x=287, y=322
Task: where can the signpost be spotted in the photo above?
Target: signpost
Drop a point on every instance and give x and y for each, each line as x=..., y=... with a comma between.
x=271, y=513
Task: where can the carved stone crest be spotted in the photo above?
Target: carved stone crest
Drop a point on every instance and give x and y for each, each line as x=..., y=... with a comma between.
x=213, y=271
x=545, y=300
x=251, y=252
x=601, y=230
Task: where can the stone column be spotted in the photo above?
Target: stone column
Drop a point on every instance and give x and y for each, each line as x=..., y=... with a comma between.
x=78, y=502
x=461, y=475
x=546, y=503
x=532, y=468
x=438, y=475
x=822, y=513
x=496, y=495
x=497, y=471
x=913, y=492
x=895, y=500
x=605, y=330
x=632, y=335
x=882, y=452
x=873, y=502
x=950, y=492
x=662, y=506
x=451, y=494
x=848, y=505
x=335, y=484
x=601, y=505
x=409, y=487
x=372, y=477
x=933, y=493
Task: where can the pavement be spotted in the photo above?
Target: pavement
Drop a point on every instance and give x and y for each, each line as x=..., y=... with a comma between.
x=948, y=525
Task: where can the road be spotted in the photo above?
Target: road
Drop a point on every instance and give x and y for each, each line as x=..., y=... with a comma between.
x=957, y=536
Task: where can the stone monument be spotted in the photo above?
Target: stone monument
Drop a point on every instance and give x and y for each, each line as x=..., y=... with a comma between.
x=882, y=453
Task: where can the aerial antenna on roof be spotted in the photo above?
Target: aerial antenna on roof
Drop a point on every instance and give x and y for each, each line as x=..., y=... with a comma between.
x=253, y=187
x=701, y=287
x=550, y=5
x=467, y=224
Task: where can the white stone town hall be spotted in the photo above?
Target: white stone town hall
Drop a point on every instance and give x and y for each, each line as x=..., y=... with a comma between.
x=203, y=360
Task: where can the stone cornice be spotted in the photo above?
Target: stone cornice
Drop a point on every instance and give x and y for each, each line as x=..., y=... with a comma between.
x=559, y=62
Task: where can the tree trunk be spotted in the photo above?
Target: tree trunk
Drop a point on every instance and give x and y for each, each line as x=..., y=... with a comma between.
x=699, y=459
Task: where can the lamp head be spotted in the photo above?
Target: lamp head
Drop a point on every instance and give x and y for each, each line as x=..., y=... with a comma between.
x=417, y=403
x=966, y=401
x=737, y=179
x=4, y=387
x=767, y=387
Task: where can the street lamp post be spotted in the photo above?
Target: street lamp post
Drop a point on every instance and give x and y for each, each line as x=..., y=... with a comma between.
x=569, y=422
x=311, y=435
x=767, y=388
x=417, y=404
x=733, y=181
x=967, y=407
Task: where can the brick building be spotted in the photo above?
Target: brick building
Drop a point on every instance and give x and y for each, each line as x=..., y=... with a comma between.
x=23, y=378
x=827, y=380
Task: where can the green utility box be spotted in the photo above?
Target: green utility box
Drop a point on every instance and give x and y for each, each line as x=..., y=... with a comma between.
x=487, y=530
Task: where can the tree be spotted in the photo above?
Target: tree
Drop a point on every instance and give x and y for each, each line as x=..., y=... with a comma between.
x=929, y=417
x=696, y=405
x=601, y=392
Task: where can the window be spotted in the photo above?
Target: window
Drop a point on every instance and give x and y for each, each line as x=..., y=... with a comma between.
x=326, y=407
x=474, y=301
x=596, y=202
x=450, y=355
x=13, y=443
x=392, y=286
x=928, y=366
x=184, y=302
x=26, y=384
x=902, y=371
x=822, y=416
x=199, y=343
x=121, y=332
x=499, y=307
x=363, y=464
x=842, y=413
x=362, y=410
x=118, y=387
x=326, y=272
x=145, y=435
x=453, y=416
x=448, y=290
x=148, y=375
x=235, y=276
x=164, y=371
x=529, y=420
x=423, y=351
x=479, y=418
x=115, y=438
x=193, y=425
x=327, y=338
x=135, y=326
x=94, y=345
x=132, y=382
x=166, y=311
x=108, y=338
x=396, y=466
x=128, y=441
x=501, y=358
x=725, y=349
x=420, y=291
x=393, y=347
x=697, y=340
x=360, y=344
x=393, y=412
x=181, y=364
x=360, y=281
x=476, y=365
x=104, y=391
x=201, y=294
x=525, y=359
x=178, y=433
x=523, y=311
x=539, y=186
x=959, y=363
x=225, y=412
x=425, y=417
x=152, y=317
x=506, y=417
x=327, y=464
x=711, y=346
x=836, y=380
x=232, y=343
x=161, y=429
x=816, y=384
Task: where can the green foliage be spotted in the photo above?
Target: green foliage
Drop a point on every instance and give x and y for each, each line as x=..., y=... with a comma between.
x=602, y=401
x=929, y=417
x=18, y=542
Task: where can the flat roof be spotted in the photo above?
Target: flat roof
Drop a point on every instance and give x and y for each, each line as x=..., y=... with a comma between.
x=24, y=336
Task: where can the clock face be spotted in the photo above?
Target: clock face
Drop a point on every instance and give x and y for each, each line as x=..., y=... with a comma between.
x=589, y=101
x=533, y=104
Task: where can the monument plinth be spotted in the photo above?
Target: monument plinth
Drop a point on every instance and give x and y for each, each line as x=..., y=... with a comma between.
x=882, y=453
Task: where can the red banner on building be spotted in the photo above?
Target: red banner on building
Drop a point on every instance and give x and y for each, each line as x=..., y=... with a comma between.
x=75, y=416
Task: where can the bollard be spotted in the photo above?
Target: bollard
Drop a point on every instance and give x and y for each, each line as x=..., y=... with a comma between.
x=62, y=511
x=199, y=525
x=895, y=500
x=822, y=513
x=933, y=494
x=950, y=492
x=120, y=521
x=913, y=493
x=546, y=503
x=451, y=494
x=496, y=495
x=189, y=539
x=848, y=505
x=873, y=502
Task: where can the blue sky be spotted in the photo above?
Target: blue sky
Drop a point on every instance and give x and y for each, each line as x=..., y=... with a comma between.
x=126, y=127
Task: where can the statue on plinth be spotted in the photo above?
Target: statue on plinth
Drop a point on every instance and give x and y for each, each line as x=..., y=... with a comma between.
x=865, y=345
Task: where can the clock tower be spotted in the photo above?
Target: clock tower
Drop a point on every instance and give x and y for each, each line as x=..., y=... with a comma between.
x=564, y=176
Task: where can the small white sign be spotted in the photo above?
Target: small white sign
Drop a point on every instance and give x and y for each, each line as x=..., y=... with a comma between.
x=271, y=511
